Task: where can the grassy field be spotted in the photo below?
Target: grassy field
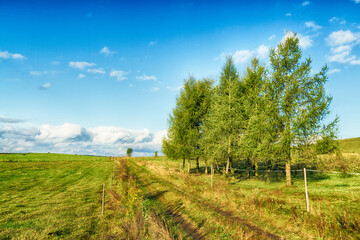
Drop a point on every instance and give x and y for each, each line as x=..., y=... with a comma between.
x=57, y=196
x=240, y=208
x=51, y=195
x=350, y=145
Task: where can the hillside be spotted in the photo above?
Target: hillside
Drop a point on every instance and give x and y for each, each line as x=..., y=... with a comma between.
x=350, y=145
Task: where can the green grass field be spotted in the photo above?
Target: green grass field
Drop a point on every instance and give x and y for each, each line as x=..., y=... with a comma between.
x=51, y=195
x=350, y=145
x=58, y=196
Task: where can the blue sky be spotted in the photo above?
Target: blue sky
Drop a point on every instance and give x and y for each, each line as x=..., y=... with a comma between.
x=97, y=77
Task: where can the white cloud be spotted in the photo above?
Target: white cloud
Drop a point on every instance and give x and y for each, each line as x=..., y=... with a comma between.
x=334, y=19
x=55, y=63
x=313, y=25
x=304, y=41
x=151, y=43
x=242, y=56
x=106, y=51
x=342, y=37
x=54, y=134
x=288, y=14
x=334, y=71
x=146, y=77
x=81, y=75
x=343, y=22
x=96, y=70
x=356, y=1
x=271, y=37
x=119, y=74
x=154, y=89
x=305, y=3
x=81, y=65
x=45, y=86
x=221, y=57
x=7, y=55
x=175, y=88
x=41, y=73
x=262, y=51
x=341, y=43
x=73, y=138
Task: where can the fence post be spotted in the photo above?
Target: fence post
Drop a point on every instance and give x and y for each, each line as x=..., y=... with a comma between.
x=103, y=200
x=180, y=167
x=306, y=192
x=212, y=172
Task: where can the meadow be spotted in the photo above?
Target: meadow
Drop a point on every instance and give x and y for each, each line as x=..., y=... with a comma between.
x=57, y=196
x=51, y=195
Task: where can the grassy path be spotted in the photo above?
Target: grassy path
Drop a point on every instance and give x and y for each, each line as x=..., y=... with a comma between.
x=168, y=191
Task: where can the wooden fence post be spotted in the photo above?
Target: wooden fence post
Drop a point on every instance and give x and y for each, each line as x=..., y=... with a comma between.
x=306, y=192
x=103, y=200
x=212, y=172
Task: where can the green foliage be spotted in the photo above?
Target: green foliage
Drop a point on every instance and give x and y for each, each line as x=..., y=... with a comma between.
x=184, y=124
x=129, y=152
x=224, y=123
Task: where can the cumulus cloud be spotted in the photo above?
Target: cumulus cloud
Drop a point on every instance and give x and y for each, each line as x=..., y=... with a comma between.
x=341, y=43
x=313, y=25
x=73, y=138
x=119, y=74
x=342, y=37
x=304, y=41
x=45, y=86
x=305, y=3
x=262, y=51
x=81, y=65
x=8, y=55
x=106, y=51
x=242, y=56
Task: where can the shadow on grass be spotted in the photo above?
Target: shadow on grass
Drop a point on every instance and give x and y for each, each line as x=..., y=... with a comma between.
x=155, y=196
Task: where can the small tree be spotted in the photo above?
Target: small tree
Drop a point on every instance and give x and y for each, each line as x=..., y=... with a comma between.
x=129, y=152
x=299, y=100
x=156, y=153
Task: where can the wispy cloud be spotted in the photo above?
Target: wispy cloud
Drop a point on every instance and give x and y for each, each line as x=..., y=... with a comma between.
x=8, y=55
x=154, y=89
x=271, y=37
x=334, y=19
x=119, y=74
x=305, y=3
x=42, y=73
x=313, y=25
x=148, y=78
x=334, y=71
x=288, y=14
x=356, y=1
x=45, y=86
x=55, y=63
x=106, y=51
x=81, y=65
x=152, y=43
x=81, y=75
x=96, y=70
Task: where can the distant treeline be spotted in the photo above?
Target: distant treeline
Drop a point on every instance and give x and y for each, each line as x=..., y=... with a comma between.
x=270, y=115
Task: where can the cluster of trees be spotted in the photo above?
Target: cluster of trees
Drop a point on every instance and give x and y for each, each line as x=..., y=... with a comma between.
x=269, y=115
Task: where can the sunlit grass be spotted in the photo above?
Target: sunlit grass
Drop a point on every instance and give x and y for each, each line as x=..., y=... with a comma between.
x=51, y=199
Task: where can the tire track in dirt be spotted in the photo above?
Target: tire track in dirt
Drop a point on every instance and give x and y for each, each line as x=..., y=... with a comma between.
x=226, y=214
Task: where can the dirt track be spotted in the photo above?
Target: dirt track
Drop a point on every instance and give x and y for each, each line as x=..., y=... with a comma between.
x=226, y=214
